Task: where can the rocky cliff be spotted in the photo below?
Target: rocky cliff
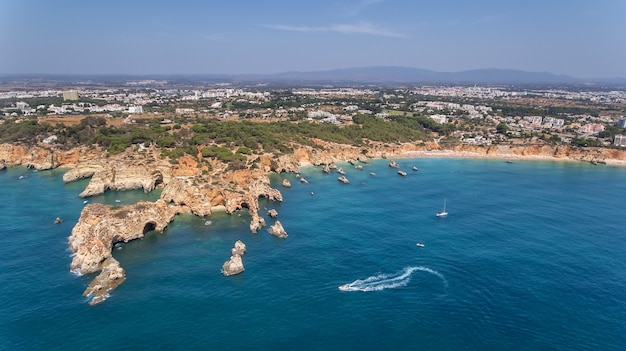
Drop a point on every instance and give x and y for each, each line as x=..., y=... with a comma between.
x=100, y=227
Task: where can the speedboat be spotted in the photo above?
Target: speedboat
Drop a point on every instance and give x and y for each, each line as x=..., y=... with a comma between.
x=344, y=287
x=420, y=245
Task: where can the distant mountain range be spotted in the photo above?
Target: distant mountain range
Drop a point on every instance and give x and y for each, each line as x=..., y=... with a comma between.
x=406, y=75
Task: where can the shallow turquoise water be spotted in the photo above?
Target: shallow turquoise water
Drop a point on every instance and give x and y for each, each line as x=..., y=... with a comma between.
x=530, y=257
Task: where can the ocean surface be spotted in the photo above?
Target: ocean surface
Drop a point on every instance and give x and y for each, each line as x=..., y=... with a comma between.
x=532, y=256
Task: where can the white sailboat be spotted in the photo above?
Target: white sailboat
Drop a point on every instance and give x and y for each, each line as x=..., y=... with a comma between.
x=443, y=213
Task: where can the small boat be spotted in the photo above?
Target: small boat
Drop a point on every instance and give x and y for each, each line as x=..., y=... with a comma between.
x=420, y=245
x=344, y=287
x=208, y=223
x=443, y=213
x=21, y=177
x=509, y=161
x=85, y=201
x=118, y=201
x=402, y=173
x=415, y=169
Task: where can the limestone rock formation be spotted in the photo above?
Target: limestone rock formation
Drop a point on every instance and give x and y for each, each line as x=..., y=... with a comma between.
x=277, y=230
x=35, y=157
x=100, y=227
x=286, y=183
x=258, y=186
x=110, y=277
x=235, y=264
x=2, y=165
x=272, y=213
x=81, y=172
x=196, y=193
x=124, y=177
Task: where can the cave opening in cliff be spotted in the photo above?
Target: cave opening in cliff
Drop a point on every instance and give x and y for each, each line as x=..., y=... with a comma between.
x=148, y=227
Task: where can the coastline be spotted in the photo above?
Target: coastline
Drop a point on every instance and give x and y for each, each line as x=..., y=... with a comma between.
x=451, y=153
x=476, y=155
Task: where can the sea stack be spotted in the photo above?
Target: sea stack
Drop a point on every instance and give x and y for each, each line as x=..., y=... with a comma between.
x=286, y=183
x=235, y=264
x=272, y=213
x=277, y=230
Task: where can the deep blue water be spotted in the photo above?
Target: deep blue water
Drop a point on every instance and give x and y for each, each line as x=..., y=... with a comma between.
x=531, y=257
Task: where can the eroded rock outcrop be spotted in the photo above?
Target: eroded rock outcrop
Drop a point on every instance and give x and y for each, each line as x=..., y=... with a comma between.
x=100, y=227
x=286, y=183
x=194, y=192
x=123, y=178
x=235, y=264
x=272, y=213
x=277, y=230
x=110, y=277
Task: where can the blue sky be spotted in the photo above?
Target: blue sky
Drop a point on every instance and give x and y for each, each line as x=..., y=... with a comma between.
x=580, y=38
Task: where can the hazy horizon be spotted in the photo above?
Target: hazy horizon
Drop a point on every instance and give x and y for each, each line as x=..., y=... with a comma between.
x=578, y=38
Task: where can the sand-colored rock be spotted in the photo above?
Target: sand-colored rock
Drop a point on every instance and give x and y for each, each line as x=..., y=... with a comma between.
x=235, y=264
x=124, y=177
x=277, y=230
x=286, y=183
x=196, y=193
x=110, y=277
x=272, y=213
x=100, y=227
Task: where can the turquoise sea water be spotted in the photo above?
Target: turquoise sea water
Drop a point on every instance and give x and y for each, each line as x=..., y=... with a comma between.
x=531, y=257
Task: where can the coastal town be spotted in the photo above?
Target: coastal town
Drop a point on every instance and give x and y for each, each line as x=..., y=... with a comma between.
x=475, y=115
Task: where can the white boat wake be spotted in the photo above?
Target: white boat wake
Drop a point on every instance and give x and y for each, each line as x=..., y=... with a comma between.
x=389, y=281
